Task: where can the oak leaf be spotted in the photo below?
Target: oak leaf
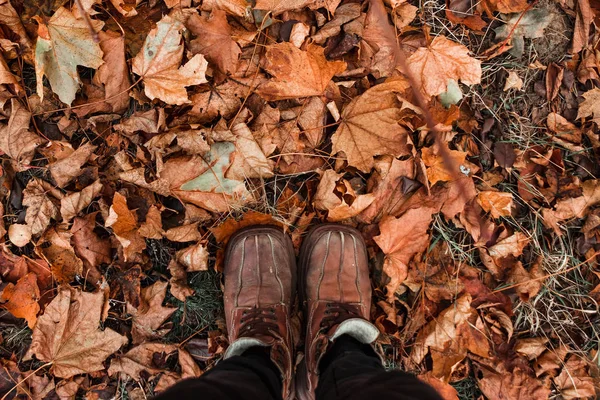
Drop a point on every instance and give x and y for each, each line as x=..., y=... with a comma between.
x=336, y=196
x=66, y=169
x=40, y=208
x=124, y=224
x=88, y=246
x=55, y=247
x=73, y=203
x=433, y=66
x=214, y=40
x=401, y=239
x=369, y=126
x=297, y=73
x=64, y=43
x=590, y=106
x=67, y=334
x=498, y=204
x=158, y=64
x=16, y=141
x=21, y=300
x=150, y=314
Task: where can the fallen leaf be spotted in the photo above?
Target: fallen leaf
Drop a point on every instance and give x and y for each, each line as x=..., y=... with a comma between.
x=297, y=73
x=214, y=40
x=513, y=81
x=67, y=334
x=445, y=390
x=433, y=66
x=150, y=314
x=400, y=240
x=21, y=300
x=152, y=227
x=16, y=141
x=55, y=247
x=10, y=18
x=530, y=25
x=503, y=6
x=528, y=283
x=378, y=51
x=590, y=106
x=369, y=126
x=194, y=258
x=581, y=30
x=575, y=207
x=65, y=170
x=574, y=381
x=510, y=246
x=88, y=246
x=179, y=286
x=140, y=358
x=40, y=208
x=497, y=383
x=125, y=227
x=223, y=232
x=564, y=131
x=62, y=44
x=336, y=196
x=532, y=348
x=438, y=168
x=158, y=64
x=19, y=234
x=73, y=203
x=184, y=233
x=249, y=161
x=498, y=204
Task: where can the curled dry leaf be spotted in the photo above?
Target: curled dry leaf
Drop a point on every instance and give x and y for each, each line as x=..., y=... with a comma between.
x=158, y=64
x=336, y=196
x=442, y=60
x=513, y=81
x=438, y=169
x=152, y=227
x=179, y=287
x=67, y=334
x=498, y=204
x=575, y=207
x=297, y=73
x=62, y=44
x=55, y=247
x=21, y=300
x=123, y=222
x=72, y=204
x=369, y=126
x=40, y=208
x=194, y=258
x=141, y=358
x=590, y=106
x=16, y=141
x=66, y=169
x=19, y=234
x=150, y=314
x=496, y=382
x=510, y=246
x=184, y=233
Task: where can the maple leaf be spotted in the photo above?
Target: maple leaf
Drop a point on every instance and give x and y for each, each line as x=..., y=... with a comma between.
x=437, y=166
x=297, y=73
x=498, y=204
x=21, y=300
x=214, y=40
x=55, y=247
x=150, y=314
x=40, y=208
x=124, y=224
x=73, y=203
x=433, y=66
x=140, y=358
x=64, y=43
x=158, y=64
x=400, y=240
x=377, y=50
x=369, y=126
x=67, y=334
x=336, y=196
x=590, y=107
x=16, y=141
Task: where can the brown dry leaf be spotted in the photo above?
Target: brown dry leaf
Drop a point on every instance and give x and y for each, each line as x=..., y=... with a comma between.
x=249, y=161
x=565, y=132
x=150, y=314
x=575, y=381
x=141, y=358
x=158, y=64
x=152, y=227
x=16, y=141
x=194, y=258
x=297, y=73
x=124, y=225
x=214, y=40
x=72, y=204
x=223, y=232
x=65, y=170
x=442, y=60
x=21, y=300
x=378, y=51
x=10, y=18
x=336, y=195
x=590, y=106
x=92, y=250
x=62, y=44
x=503, y=6
x=65, y=264
x=369, y=126
x=497, y=383
x=277, y=6
x=529, y=283
x=532, y=348
x=179, y=287
x=575, y=207
x=581, y=30
x=437, y=167
x=449, y=338
x=184, y=233
x=445, y=390
x=40, y=208
x=67, y=334
x=19, y=234
x=498, y=204
x=513, y=81
x=401, y=239
x=510, y=246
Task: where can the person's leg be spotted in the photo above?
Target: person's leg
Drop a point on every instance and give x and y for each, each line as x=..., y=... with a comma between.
x=351, y=370
x=250, y=376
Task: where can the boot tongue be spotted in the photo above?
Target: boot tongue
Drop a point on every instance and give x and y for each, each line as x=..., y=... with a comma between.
x=358, y=328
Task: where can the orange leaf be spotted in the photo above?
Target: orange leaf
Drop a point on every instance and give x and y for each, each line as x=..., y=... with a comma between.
x=22, y=299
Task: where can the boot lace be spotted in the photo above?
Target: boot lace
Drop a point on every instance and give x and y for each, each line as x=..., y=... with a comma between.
x=336, y=313
x=258, y=321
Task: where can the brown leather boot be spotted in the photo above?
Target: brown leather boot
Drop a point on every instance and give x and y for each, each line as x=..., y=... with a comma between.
x=337, y=296
x=260, y=285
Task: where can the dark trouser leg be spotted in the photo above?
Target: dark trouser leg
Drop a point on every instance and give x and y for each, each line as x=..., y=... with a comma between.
x=250, y=376
x=351, y=371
